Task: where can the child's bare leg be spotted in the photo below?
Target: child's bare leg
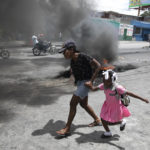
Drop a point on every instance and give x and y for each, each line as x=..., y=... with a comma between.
x=73, y=104
x=107, y=133
x=90, y=111
x=122, y=124
x=105, y=125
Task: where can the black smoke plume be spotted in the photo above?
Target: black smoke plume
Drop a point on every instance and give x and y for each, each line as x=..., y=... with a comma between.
x=20, y=19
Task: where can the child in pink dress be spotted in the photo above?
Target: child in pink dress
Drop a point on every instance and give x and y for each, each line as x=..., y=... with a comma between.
x=113, y=111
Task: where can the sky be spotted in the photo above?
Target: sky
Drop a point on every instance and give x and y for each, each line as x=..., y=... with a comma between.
x=121, y=6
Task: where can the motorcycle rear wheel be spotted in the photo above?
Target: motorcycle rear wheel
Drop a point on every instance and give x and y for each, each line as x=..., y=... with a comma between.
x=5, y=54
x=36, y=52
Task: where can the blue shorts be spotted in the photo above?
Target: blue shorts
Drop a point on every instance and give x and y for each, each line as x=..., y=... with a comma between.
x=82, y=90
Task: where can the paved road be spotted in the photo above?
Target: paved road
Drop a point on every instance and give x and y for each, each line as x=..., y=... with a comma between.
x=34, y=104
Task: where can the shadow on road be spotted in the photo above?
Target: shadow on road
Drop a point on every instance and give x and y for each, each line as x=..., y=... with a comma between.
x=51, y=127
x=95, y=137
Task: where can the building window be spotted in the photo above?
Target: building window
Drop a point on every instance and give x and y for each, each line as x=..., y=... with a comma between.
x=137, y=30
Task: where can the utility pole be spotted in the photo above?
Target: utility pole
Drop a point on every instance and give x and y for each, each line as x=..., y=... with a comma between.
x=139, y=11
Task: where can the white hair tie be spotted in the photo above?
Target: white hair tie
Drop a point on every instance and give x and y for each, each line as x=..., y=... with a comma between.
x=106, y=75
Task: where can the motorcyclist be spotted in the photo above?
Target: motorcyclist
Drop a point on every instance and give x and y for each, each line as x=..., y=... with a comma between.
x=39, y=43
x=41, y=38
x=35, y=40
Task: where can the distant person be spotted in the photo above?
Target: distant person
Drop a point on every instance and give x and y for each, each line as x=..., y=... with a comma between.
x=60, y=36
x=113, y=111
x=81, y=68
x=35, y=40
x=41, y=38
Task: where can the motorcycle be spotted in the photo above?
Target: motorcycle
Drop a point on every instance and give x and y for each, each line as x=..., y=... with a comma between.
x=42, y=47
x=4, y=53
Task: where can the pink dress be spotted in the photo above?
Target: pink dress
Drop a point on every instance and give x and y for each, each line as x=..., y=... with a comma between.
x=113, y=110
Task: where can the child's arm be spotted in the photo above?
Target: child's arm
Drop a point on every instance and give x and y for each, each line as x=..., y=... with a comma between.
x=136, y=96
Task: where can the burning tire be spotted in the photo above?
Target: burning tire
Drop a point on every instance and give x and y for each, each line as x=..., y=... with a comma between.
x=36, y=52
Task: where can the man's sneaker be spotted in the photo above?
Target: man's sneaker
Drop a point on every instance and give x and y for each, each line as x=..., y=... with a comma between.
x=106, y=134
x=122, y=125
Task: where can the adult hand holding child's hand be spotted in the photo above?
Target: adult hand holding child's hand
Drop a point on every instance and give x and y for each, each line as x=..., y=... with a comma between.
x=88, y=84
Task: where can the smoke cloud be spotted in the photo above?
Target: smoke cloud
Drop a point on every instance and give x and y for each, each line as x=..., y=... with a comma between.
x=20, y=19
x=97, y=38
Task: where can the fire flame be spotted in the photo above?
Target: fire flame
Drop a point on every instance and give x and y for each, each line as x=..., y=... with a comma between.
x=105, y=65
